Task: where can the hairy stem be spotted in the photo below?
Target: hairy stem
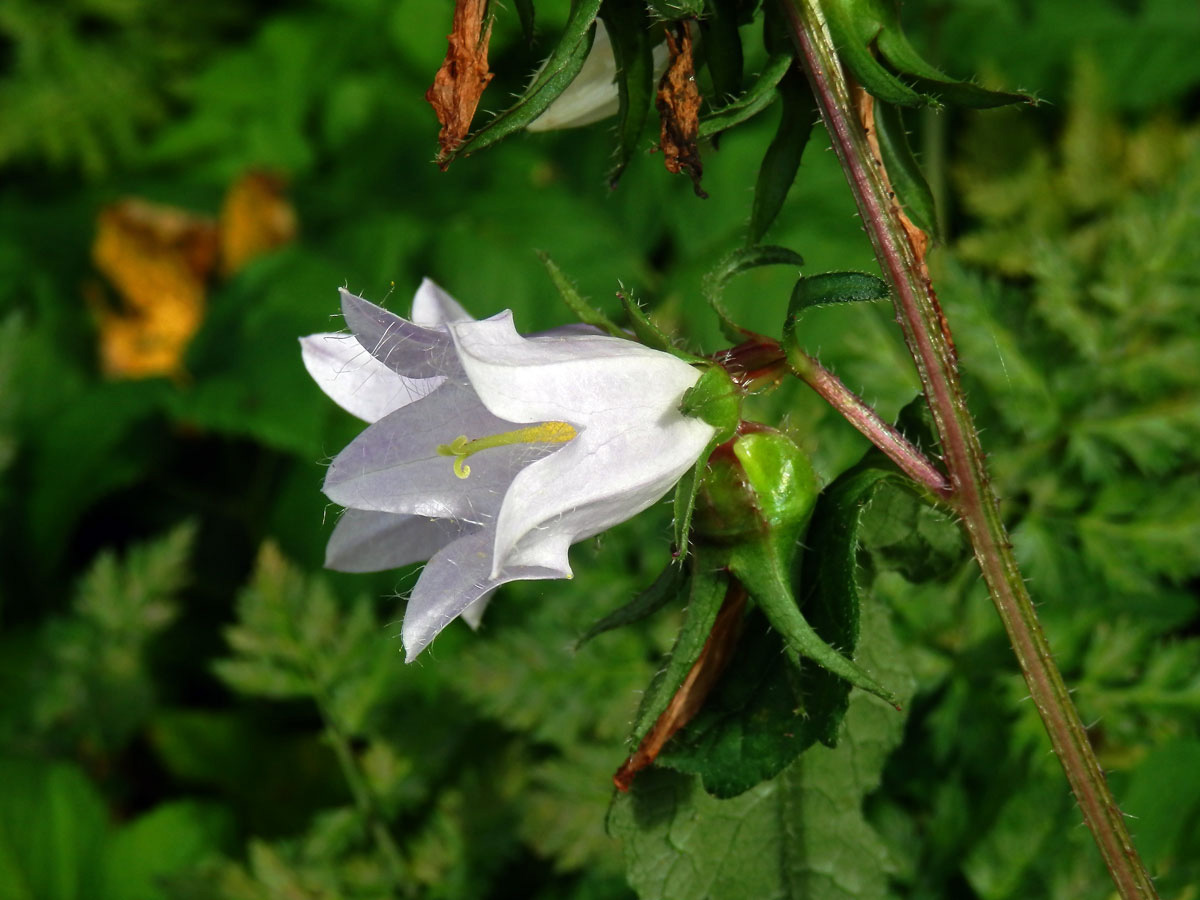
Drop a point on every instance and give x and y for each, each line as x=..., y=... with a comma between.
x=862, y=415
x=902, y=260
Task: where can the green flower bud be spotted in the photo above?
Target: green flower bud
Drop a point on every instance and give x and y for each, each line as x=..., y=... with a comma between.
x=758, y=485
x=716, y=400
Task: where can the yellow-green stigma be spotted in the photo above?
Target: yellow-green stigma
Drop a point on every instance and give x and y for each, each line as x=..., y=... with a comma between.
x=546, y=433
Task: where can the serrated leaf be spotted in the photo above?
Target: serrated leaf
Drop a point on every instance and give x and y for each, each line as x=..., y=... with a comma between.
x=912, y=190
x=801, y=836
x=559, y=71
x=782, y=159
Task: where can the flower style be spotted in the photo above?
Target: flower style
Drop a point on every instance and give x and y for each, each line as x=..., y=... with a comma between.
x=489, y=453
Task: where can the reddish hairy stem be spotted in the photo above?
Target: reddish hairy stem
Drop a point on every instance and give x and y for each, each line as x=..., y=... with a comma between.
x=928, y=339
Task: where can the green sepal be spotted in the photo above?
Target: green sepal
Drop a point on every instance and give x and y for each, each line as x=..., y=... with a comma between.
x=705, y=597
x=643, y=328
x=756, y=98
x=670, y=584
x=627, y=29
x=734, y=263
x=722, y=47
x=716, y=400
x=829, y=288
x=782, y=159
x=766, y=575
x=560, y=70
x=583, y=310
x=912, y=190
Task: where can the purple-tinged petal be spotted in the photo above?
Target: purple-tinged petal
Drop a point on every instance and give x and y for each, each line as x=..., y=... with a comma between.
x=394, y=466
x=367, y=541
x=403, y=347
x=432, y=307
x=456, y=578
x=357, y=381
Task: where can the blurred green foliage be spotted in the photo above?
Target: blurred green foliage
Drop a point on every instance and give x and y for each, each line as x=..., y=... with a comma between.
x=192, y=709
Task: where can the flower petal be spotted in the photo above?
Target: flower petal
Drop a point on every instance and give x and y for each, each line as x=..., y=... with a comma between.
x=394, y=466
x=568, y=378
x=456, y=578
x=367, y=541
x=403, y=347
x=604, y=476
x=357, y=381
x=432, y=307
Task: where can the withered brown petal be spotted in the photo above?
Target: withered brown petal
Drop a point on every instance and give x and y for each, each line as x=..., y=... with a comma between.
x=678, y=105
x=464, y=74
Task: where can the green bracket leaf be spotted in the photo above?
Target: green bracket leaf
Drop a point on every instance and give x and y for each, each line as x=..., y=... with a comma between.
x=757, y=97
x=782, y=159
x=628, y=29
x=560, y=70
x=644, y=329
x=722, y=46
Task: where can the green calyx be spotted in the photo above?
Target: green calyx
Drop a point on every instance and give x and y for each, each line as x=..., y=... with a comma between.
x=714, y=399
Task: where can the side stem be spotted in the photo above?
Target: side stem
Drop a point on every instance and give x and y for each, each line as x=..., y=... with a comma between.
x=928, y=338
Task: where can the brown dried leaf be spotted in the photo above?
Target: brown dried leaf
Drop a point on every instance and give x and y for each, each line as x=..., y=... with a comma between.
x=700, y=680
x=678, y=105
x=256, y=218
x=158, y=258
x=464, y=74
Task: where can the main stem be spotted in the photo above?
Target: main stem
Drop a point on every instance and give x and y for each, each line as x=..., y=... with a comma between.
x=928, y=338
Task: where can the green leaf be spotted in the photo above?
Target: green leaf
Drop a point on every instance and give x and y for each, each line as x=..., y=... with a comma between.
x=167, y=840
x=53, y=829
x=829, y=288
x=627, y=28
x=525, y=12
x=722, y=46
x=643, y=328
x=570, y=295
x=704, y=602
x=763, y=712
x=669, y=585
x=756, y=98
x=559, y=71
x=912, y=190
x=801, y=836
x=932, y=82
x=782, y=159
x=734, y=263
